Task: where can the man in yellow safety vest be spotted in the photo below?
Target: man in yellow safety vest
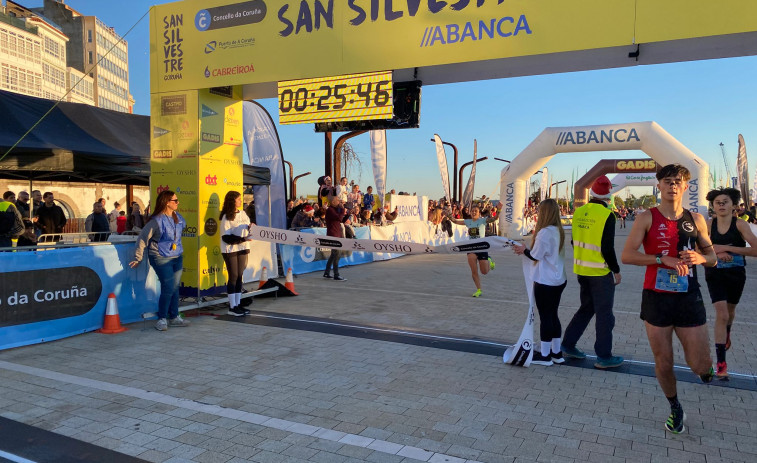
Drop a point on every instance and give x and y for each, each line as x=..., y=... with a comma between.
x=595, y=264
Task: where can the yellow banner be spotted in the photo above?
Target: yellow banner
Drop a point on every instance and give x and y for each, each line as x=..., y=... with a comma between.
x=197, y=152
x=173, y=166
x=659, y=21
x=209, y=43
x=220, y=171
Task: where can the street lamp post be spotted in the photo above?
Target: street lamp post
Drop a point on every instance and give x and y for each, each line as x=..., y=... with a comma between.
x=549, y=195
x=338, y=152
x=294, y=184
x=454, y=169
x=291, y=169
x=462, y=168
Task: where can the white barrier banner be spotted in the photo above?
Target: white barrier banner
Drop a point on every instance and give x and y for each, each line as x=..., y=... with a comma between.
x=522, y=352
x=409, y=208
x=293, y=237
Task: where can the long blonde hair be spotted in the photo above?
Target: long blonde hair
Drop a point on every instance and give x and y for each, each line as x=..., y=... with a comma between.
x=549, y=214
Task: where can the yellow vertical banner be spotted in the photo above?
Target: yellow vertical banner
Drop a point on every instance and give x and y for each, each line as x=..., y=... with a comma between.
x=174, y=166
x=220, y=171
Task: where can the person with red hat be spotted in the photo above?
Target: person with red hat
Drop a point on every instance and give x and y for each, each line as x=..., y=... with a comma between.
x=598, y=272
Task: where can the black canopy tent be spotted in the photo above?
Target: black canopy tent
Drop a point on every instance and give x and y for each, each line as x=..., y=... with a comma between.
x=79, y=143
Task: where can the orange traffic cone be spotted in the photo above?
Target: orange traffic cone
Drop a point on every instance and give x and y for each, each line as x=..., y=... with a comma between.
x=290, y=282
x=263, y=277
x=112, y=324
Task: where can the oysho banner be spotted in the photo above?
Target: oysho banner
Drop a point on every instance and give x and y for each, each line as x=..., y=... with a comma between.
x=409, y=208
x=293, y=237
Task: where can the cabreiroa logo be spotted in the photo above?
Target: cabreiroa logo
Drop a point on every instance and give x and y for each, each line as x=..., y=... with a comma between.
x=173, y=105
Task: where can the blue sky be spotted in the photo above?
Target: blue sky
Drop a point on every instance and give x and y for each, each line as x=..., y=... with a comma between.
x=700, y=103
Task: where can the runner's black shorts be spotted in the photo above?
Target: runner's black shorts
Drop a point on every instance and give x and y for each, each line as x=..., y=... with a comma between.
x=682, y=310
x=481, y=255
x=726, y=284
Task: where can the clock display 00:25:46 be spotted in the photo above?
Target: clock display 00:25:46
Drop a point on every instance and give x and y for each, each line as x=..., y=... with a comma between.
x=365, y=93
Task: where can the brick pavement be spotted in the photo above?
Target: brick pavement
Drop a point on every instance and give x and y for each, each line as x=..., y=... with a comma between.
x=232, y=392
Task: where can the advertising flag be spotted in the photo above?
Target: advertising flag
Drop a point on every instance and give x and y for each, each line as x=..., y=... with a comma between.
x=470, y=186
x=742, y=166
x=378, y=160
x=441, y=156
x=264, y=149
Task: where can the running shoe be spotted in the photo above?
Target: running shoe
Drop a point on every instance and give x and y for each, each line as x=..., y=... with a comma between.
x=178, y=322
x=491, y=264
x=674, y=423
x=557, y=358
x=162, y=324
x=722, y=370
x=608, y=362
x=327, y=275
x=237, y=312
x=338, y=278
x=707, y=377
x=572, y=352
x=728, y=341
x=477, y=293
x=539, y=359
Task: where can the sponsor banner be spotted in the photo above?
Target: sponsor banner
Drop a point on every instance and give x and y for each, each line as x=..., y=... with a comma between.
x=44, y=298
x=522, y=352
x=264, y=150
x=219, y=171
x=378, y=161
x=409, y=208
x=441, y=157
x=173, y=166
x=186, y=35
x=742, y=168
x=469, y=187
x=621, y=181
x=298, y=238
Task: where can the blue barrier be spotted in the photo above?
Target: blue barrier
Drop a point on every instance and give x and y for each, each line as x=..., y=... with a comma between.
x=58, y=293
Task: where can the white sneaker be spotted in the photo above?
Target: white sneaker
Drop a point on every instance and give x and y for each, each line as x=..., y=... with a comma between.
x=161, y=325
x=178, y=321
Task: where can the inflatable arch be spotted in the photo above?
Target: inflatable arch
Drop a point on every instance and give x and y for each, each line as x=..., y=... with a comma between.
x=648, y=137
x=621, y=181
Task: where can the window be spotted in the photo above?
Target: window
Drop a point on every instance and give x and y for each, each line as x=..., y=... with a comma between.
x=4, y=41
x=90, y=56
x=89, y=36
x=12, y=44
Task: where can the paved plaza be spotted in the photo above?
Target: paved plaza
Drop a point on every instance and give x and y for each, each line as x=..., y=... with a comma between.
x=221, y=391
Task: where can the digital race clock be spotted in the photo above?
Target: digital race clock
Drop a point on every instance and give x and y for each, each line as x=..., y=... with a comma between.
x=353, y=97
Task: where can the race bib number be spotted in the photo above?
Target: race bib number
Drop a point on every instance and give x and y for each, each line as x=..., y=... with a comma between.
x=737, y=261
x=669, y=280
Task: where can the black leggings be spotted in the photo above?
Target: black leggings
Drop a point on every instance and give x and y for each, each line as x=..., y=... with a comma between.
x=236, y=262
x=547, y=299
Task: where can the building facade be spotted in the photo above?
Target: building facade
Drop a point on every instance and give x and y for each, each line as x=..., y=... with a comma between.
x=91, y=42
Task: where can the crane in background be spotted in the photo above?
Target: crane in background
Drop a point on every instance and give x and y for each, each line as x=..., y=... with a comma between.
x=730, y=181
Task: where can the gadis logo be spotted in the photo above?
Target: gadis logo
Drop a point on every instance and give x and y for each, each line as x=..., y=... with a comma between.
x=211, y=180
x=162, y=188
